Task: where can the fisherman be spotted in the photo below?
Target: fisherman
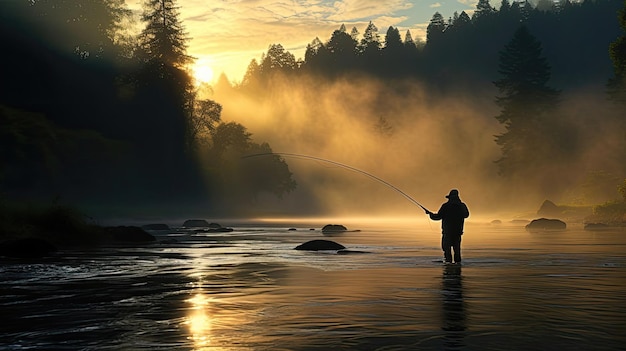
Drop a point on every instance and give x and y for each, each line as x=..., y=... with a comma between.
x=452, y=215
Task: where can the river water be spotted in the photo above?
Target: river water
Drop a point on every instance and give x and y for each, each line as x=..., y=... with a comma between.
x=250, y=290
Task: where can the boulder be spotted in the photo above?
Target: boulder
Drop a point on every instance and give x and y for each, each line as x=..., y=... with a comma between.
x=129, y=234
x=195, y=223
x=333, y=229
x=30, y=247
x=542, y=224
x=317, y=245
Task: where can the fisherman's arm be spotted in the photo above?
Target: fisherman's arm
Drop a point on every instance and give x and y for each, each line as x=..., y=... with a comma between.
x=435, y=216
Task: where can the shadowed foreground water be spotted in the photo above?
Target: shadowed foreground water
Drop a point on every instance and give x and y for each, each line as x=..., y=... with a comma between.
x=249, y=290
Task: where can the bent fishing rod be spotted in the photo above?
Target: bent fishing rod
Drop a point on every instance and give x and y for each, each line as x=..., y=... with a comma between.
x=354, y=169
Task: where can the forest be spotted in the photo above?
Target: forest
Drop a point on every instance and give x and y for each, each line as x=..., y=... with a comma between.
x=102, y=118
x=513, y=104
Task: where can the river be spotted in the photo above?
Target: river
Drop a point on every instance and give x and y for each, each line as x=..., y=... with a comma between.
x=250, y=290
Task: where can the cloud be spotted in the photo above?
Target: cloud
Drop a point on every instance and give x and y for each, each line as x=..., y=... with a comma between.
x=350, y=10
x=435, y=5
x=470, y=3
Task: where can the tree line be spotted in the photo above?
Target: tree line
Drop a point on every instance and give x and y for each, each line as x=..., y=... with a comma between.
x=461, y=51
x=104, y=116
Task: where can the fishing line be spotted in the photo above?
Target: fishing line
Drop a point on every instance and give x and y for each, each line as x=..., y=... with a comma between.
x=354, y=169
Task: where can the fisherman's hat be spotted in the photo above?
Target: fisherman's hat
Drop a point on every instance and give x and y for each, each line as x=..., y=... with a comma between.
x=453, y=193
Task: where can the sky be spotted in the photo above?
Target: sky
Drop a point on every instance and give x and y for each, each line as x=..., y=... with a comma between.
x=225, y=35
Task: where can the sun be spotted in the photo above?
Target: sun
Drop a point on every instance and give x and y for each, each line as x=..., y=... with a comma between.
x=203, y=74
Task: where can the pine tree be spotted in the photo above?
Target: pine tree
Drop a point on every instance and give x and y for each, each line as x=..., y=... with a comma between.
x=392, y=39
x=370, y=44
x=526, y=104
x=341, y=45
x=369, y=53
x=312, y=50
x=410, y=49
x=408, y=39
x=435, y=28
x=341, y=49
x=250, y=78
x=505, y=6
x=462, y=22
x=354, y=33
x=164, y=38
x=483, y=10
x=394, y=54
x=277, y=59
x=166, y=84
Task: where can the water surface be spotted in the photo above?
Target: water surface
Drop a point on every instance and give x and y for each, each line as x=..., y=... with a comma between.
x=249, y=290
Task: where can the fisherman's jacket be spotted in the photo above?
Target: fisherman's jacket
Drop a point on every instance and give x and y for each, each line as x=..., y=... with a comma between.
x=452, y=215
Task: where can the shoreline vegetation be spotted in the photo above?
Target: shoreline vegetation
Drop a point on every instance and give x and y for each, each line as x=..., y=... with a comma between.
x=31, y=231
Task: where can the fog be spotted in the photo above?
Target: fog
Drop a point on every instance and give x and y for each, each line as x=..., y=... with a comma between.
x=423, y=145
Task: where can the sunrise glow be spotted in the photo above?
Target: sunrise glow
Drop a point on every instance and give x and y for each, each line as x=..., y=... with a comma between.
x=203, y=73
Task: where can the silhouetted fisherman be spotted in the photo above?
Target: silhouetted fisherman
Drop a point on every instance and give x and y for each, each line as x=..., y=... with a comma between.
x=452, y=215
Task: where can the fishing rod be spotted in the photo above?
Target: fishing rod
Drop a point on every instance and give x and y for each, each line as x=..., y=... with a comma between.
x=354, y=169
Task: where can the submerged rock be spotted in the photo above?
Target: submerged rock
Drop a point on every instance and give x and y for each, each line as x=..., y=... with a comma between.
x=333, y=229
x=317, y=245
x=545, y=224
x=27, y=248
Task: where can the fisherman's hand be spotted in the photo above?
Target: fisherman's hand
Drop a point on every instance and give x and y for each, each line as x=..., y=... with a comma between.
x=428, y=212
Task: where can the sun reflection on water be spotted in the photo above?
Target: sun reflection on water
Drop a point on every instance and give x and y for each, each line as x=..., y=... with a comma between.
x=199, y=322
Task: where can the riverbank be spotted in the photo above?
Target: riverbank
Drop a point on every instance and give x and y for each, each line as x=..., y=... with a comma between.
x=36, y=231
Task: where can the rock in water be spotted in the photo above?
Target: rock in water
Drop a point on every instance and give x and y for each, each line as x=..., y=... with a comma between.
x=542, y=224
x=333, y=228
x=191, y=223
x=317, y=245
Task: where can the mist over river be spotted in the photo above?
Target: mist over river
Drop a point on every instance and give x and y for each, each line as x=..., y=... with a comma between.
x=250, y=290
